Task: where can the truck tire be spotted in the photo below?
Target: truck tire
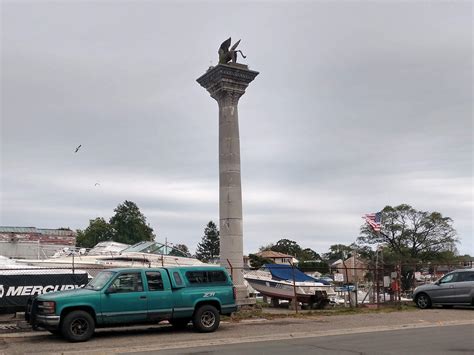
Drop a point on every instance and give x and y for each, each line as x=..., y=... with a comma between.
x=180, y=323
x=206, y=319
x=78, y=326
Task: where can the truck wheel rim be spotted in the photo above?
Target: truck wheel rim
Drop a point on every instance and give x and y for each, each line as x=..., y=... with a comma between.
x=79, y=326
x=208, y=319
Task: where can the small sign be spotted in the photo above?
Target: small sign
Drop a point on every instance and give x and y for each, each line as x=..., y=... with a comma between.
x=339, y=277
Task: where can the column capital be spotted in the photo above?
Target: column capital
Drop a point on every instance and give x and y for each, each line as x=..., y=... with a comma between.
x=227, y=82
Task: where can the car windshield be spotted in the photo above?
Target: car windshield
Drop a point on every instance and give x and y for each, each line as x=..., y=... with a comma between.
x=100, y=280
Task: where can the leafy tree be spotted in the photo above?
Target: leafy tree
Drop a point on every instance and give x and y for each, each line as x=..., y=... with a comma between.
x=179, y=250
x=257, y=261
x=412, y=235
x=97, y=231
x=338, y=251
x=290, y=247
x=287, y=246
x=266, y=247
x=319, y=266
x=309, y=255
x=209, y=248
x=130, y=224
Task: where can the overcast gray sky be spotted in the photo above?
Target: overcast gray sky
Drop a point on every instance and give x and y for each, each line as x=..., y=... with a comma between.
x=358, y=105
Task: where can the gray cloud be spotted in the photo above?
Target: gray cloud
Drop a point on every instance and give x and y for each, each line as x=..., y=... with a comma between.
x=357, y=105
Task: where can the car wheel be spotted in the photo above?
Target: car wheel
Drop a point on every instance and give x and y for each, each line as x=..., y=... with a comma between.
x=423, y=301
x=206, y=319
x=179, y=323
x=78, y=326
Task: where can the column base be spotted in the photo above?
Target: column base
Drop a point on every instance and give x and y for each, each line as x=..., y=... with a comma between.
x=243, y=298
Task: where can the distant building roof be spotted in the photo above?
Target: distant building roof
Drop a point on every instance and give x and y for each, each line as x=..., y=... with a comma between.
x=61, y=232
x=47, y=231
x=273, y=254
x=17, y=229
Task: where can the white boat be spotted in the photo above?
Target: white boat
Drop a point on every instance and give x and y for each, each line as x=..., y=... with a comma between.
x=143, y=254
x=282, y=282
x=102, y=248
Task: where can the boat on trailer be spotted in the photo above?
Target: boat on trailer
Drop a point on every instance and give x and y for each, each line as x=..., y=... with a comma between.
x=281, y=282
x=142, y=254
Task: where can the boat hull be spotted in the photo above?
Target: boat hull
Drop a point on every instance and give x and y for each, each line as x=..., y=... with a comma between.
x=286, y=291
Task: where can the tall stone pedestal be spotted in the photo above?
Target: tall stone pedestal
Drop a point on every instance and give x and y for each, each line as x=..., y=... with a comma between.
x=226, y=83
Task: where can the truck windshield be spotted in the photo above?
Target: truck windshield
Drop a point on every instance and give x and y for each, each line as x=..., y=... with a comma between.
x=100, y=280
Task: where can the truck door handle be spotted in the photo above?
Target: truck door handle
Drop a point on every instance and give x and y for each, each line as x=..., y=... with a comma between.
x=143, y=297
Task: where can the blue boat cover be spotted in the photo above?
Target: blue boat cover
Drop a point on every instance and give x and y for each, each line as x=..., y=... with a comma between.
x=285, y=272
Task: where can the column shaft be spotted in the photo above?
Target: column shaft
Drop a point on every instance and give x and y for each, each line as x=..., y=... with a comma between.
x=230, y=189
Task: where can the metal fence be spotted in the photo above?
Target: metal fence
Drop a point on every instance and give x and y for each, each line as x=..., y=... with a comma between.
x=376, y=284
x=373, y=284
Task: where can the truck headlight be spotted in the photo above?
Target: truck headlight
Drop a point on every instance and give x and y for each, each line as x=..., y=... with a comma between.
x=47, y=307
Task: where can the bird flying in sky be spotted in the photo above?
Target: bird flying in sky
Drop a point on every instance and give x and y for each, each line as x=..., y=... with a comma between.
x=96, y=184
x=78, y=147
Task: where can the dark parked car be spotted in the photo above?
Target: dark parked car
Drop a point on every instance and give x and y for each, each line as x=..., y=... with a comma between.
x=454, y=288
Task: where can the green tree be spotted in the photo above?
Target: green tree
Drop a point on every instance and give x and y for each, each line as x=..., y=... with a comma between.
x=413, y=235
x=179, y=250
x=287, y=246
x=257, y=261
x=209, y=248
x=309, y=255
x=266, y=247
x=319, y=266
x=130, y=224
x=290, y=247
x=97, y=231
x=338, y=251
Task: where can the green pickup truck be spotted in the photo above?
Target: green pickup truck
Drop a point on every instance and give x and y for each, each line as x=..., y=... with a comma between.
x=135, y=296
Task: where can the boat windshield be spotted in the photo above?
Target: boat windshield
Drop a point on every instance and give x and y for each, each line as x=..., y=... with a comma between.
x=154, y=248
x=100, y=280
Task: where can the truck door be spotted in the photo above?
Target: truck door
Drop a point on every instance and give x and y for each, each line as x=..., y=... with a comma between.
x=159, y=295
x=125, y=300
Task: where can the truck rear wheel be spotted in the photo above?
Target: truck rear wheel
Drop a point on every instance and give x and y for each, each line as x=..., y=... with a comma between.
x=78, y=326
x=206, y=319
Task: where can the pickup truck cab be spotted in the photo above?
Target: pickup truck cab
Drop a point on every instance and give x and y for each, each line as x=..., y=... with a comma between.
x=135, y=296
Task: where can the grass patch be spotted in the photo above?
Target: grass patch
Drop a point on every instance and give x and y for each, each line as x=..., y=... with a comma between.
x=260, y=311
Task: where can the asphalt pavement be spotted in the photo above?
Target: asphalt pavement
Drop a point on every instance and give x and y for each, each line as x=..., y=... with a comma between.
x=439, y=340
x=257, y=334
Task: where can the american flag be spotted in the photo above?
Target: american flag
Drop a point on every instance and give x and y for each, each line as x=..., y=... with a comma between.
x=374, y=220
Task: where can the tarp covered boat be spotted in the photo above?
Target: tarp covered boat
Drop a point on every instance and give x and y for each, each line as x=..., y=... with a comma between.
x=281, y=281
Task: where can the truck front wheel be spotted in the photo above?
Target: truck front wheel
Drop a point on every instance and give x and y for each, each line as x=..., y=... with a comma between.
x=78, y=326
x=206, y=319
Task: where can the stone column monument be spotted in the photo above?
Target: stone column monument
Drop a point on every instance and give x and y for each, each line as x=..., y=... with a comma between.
x=226, y=83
